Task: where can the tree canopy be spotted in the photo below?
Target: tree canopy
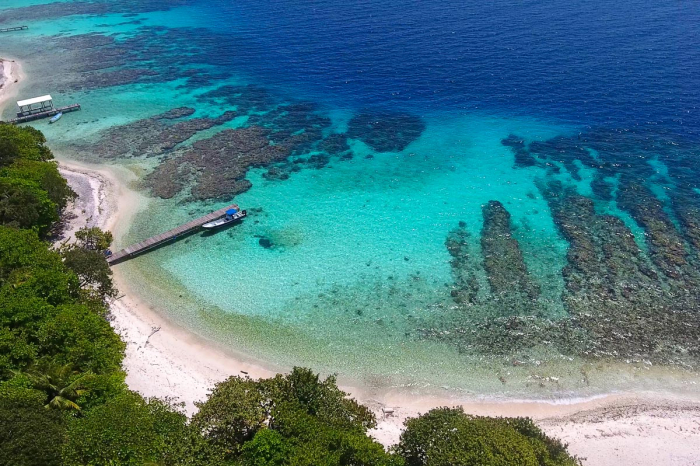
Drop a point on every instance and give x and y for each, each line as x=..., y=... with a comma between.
x=449, y=437
x=32, y=191
x=293, y=419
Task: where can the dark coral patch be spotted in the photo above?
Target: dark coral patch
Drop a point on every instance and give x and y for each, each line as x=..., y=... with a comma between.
x=665, y=244
x=523, y=158
x=176, y=113
x=386, y=131
x=686, y=206
x=465, y=289
x=216, y=166
x=152, y=136
x=335, y=144
x=265, y=243
x=503, y=261
x=245, y=98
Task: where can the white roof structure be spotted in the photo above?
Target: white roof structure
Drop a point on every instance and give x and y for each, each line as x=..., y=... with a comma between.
x=35, y=100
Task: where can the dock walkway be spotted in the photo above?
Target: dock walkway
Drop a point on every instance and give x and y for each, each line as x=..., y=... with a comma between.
x=46, y=114
x=18, y=28
x=163, y=238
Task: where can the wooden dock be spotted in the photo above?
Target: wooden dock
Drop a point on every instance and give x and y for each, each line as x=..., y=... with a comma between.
x=49, y=113
x=18, y=28
x=159, y=240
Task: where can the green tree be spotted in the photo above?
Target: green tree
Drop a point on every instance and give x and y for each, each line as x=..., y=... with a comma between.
x=92, y=270
x=93, y=238
x=22, y=142
x=61, y=384
x=238, y=407
x=45, y=175
x=22, y=249
x=44, y=316
x=314, y=417
x=130, y=430
x=267, y=448
x=100, y=388
x=311, y=441
x=32, y=191
x=23, y=204
x=235, y=410
x=79, y=336
x=119, y=432
x=323, y=399
x=449, y=437
x=30, y=435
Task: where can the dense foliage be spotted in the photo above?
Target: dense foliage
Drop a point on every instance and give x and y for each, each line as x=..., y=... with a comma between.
x=32, y=191
x=63, y=400
x=448, y=437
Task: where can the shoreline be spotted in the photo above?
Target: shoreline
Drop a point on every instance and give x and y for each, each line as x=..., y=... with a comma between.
x=10, y=79
x=166, y=360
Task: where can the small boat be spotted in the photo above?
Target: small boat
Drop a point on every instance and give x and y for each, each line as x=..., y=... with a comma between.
x=231, y=216
x=56, y=117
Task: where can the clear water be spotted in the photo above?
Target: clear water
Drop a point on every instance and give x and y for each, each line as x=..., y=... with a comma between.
x=359, y=279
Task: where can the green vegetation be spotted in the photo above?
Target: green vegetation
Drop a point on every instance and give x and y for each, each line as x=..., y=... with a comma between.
x=448, y=437
x=63, y=400
x=32, y=192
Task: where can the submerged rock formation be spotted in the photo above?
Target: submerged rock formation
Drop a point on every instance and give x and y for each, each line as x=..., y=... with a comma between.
x=621, y=302
x=686, y=206
x=152, y=136
x=523, y=157
x=505, y=268
x=665, y=243
x=245, y=98
x=512, y=290
x=216, y=166
x=385, y=131
x=614, y=293
x=466, y=287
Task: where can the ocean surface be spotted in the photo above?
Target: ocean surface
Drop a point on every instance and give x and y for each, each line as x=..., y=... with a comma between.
x=492, y=198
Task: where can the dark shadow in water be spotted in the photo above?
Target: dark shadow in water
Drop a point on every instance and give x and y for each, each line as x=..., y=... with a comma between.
x=208, y=233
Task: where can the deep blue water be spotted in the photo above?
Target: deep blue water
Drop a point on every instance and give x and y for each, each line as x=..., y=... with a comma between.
x=623, y=63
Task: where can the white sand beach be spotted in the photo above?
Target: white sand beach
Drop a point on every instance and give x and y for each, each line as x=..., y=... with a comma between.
x=165, y=360
x=12, y=74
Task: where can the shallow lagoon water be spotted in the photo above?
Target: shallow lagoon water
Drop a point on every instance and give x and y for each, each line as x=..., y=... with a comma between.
x=347, y=267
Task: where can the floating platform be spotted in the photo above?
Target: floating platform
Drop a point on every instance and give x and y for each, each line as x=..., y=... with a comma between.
x=159, y=240
x=44, y=114
x=18, y=28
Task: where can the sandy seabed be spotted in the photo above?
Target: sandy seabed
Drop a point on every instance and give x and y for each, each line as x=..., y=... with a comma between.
x=165, y=360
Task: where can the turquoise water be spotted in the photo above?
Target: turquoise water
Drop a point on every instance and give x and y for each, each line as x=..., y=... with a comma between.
x=383, y=257
x=392, y=212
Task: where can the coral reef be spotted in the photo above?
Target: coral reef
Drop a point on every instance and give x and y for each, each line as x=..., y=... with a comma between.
x=686, y=207
x=505, y=268
x=466, y=287
x=95, y=7
x=245, y=98
x=384, y=131
x=665, y=243
x=335, y=145
x=523, y=158
x=217, y=165
x=621, y=301
x=152, y=136
x=565, y=151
